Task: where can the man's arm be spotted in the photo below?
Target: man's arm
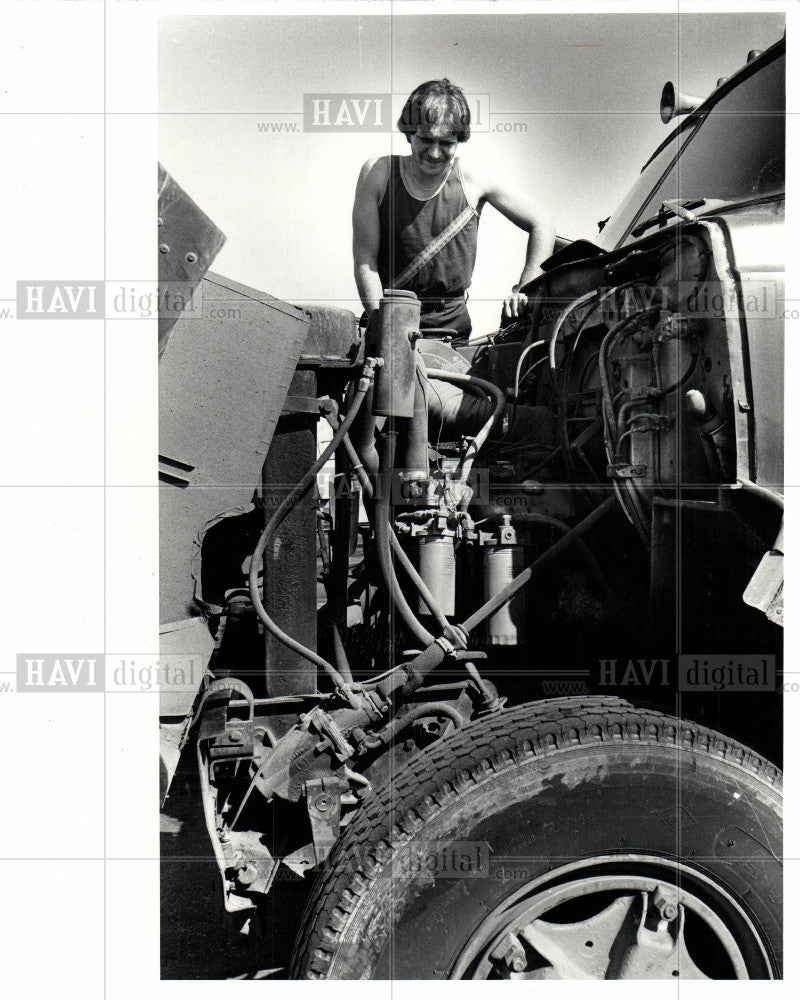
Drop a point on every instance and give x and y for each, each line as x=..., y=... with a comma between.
x=523, y=211
x=367, y=232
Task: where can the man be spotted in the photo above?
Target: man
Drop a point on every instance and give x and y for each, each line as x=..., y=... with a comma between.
x=405, y=205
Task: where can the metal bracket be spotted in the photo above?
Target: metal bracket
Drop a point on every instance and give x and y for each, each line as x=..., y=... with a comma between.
x=672, y=327
x=622, y=470
x=244, y=862
x=324, y=803
x=227, y=738
x=765, y=589
x=307, y=404
x=334, y=737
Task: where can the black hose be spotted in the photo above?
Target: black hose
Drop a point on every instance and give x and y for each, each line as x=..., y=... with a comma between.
x=395, y=545
x=382, y=529
x=636, y=514
x=289, y=501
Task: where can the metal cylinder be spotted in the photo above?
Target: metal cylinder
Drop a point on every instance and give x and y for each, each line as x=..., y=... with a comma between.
x=437, y=567
x=396, y=329
x=414, y=445
x=501, y=563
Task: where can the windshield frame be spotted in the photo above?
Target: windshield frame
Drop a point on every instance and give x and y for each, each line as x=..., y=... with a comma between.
x=692, y=124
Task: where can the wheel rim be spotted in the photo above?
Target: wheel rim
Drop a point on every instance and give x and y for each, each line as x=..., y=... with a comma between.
x=617, y=917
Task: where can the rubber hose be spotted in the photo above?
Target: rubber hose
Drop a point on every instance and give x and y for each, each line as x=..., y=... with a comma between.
x=382, y=528
x=287, y=504
x=396, y=547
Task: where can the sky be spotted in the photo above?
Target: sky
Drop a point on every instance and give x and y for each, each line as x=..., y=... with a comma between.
x=569, y=113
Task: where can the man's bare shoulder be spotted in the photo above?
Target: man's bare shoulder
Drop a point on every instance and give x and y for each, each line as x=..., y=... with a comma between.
x=478, y=175
x=478, y=180
x=374, y=174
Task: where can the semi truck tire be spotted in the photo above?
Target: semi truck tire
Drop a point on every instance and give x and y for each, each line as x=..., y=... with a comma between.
x=564, y=839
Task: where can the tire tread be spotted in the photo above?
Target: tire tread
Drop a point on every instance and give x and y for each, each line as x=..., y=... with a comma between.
x=430, y=781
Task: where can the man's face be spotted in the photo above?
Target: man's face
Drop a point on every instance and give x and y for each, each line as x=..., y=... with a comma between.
x=433, y=149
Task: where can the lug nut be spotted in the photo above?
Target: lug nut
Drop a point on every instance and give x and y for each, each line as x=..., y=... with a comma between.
x=665, y=901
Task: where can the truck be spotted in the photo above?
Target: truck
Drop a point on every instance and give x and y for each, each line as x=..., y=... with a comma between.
x=491, y=667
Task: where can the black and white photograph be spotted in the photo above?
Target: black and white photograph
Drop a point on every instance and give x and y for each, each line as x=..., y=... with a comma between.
x=396, y=396
x=472, y=494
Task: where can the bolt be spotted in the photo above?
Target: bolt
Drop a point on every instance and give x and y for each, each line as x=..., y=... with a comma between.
x=191, y=257
x=511, y=952
x=164, y=248
x=234, y=736
x=323, y=803
x=665, y=900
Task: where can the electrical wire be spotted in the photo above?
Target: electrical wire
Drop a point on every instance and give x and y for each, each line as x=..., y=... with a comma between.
x=631, y=502
x=525, y=353
x=563, y=318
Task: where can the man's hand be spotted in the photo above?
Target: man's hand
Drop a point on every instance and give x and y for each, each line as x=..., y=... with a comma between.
x=514, y=303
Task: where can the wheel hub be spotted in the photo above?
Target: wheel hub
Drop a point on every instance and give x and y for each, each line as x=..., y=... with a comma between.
x=636, y=937
x=584, y=922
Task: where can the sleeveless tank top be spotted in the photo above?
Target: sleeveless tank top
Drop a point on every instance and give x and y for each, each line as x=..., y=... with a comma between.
x=408, y=225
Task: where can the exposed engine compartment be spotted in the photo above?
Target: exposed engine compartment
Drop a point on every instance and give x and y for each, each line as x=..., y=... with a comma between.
x=498, y=514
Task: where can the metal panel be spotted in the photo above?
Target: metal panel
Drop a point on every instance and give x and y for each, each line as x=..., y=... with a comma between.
x=334, y=339
x=290, y=562
x=222, y=384
x=756, y=237
x=188, y=242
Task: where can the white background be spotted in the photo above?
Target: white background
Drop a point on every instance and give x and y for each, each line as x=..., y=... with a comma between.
x=79, y=839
